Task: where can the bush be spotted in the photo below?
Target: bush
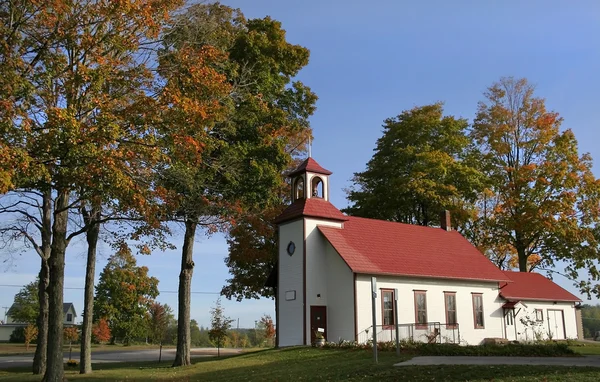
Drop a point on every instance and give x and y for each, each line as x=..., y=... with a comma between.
x=18, y=335
x=551, y=349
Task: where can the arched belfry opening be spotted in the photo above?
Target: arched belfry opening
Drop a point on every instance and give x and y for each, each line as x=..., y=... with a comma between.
x=317, y=187
x=309, y=180
x=299, y=188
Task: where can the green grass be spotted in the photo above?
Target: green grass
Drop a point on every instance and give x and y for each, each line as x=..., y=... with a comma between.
x=311, y=364
x=585, y=348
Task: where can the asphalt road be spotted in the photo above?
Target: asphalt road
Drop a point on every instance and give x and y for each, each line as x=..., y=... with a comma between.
x=7, y=362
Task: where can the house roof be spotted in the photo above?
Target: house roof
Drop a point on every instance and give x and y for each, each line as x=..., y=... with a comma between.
x=533, y=286
x=66, y=307
x=312, y=207
x=310, y=165
x=387, y=248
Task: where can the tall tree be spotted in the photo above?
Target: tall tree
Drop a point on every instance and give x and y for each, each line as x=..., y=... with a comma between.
x=72, y=74
x=26, y=304
x=420, y=167
x=545, y=196
x=241, y=153
x=124, y=295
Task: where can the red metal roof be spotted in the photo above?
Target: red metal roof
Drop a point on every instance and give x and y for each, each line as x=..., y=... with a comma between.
x=310, y=165
x=533, y=286
x=382, y=247
x=313, y=207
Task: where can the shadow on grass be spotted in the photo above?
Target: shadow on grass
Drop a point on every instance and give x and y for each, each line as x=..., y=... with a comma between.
x=318, y=365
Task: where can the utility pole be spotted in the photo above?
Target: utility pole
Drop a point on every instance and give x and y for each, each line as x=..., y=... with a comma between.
x=5, y=310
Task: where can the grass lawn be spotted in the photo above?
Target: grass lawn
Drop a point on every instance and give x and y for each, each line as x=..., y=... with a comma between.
x=19, y=349
x=317, y=365
x=586, y=348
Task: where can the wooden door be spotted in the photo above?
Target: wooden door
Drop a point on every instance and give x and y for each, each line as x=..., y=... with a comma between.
x=318, y=320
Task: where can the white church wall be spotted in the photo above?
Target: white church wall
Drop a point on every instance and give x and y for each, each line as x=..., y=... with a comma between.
x=317, y=293
x=436, y=311
x=340, y=306
x=529, y=327
x=291, y=277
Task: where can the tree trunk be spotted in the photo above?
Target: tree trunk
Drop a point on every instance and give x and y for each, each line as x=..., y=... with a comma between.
x=184, y=340
x=55, y=368
x=39, y=359
x=521, y=253
x=85, y=355
x=522, y=261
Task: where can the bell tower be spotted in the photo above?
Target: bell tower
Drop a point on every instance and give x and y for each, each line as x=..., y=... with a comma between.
x=302, y=279
x=310, y=180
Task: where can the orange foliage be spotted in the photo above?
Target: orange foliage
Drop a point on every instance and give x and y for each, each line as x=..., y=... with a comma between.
x=101, y=331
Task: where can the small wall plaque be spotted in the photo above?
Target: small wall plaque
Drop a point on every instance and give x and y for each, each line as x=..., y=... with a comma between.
x=290, y=295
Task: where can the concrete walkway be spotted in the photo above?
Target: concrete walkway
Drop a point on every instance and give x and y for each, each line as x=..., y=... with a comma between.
x=593, y=361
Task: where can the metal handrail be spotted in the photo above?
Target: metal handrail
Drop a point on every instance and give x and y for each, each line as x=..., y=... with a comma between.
x=432, y=332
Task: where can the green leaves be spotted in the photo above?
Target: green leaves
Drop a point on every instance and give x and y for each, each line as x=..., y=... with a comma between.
x=420, y=167
x=26, y=304
x=124, y=295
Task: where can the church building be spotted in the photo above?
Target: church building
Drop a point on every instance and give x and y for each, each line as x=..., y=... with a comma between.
x=446, y=290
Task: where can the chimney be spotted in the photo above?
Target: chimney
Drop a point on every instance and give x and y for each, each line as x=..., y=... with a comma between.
x=445, y=222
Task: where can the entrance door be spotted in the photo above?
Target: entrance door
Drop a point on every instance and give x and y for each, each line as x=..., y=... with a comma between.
x=556, y=324
x=509, y=320
x=318, y=320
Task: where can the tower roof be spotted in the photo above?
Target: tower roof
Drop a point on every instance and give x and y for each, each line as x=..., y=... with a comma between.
x=310, y=165
x=313, y=207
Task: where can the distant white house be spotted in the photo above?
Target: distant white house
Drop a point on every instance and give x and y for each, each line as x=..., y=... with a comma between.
x=447, y=291
x=10, y=325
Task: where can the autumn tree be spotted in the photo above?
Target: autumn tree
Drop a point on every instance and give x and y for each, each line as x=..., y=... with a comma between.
x=219, y=325
x=72, y=79
x=266, y=324
x=159, y=316
x=30, y=333
x=544, y=196
x=71, y=335
x=421, y=167
x=26, y=304
x=237, y=150
x=124, y=295
x=252, y=255
x=101, y=331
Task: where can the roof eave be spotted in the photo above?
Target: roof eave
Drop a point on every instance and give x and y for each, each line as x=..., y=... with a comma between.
x=429, y=276
x=540, y=299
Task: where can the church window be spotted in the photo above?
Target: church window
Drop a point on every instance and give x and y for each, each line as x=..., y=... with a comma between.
x=387, y=306
x=421, y=309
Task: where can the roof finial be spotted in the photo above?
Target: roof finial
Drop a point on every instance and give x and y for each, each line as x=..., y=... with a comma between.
x=309, y=148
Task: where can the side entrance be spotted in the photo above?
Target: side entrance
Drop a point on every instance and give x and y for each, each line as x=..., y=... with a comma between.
x=318, y=320
x=556, y=324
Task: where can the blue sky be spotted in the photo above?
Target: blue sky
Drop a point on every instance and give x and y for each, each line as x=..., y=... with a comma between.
x=372, y=60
